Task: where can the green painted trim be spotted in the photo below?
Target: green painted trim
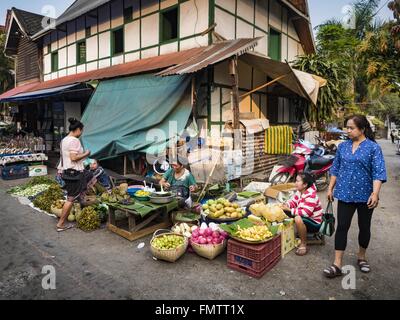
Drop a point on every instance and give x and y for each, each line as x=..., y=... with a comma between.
x=78, y=53
x=160, y=25
x=236, y=16
x=211, y=18
x=280, y=43
x=54, y=67
x=209, y=84
x=112, y=39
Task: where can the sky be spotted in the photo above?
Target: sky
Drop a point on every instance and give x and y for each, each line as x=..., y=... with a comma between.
x=320, y=10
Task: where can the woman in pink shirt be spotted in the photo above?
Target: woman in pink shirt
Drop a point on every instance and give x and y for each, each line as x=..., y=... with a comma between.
x=72, y=168
x=306, y=209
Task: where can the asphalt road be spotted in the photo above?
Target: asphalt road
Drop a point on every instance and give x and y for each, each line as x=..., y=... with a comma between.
x=102, y=265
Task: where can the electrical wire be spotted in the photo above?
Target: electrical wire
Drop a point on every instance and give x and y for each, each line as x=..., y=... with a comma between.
x=197, y=20
x=380, y=9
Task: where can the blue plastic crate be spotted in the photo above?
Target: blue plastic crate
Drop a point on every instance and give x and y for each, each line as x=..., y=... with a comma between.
x=18, y=171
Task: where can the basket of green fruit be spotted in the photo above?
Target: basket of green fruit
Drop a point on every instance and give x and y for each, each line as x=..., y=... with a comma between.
x=168, y=246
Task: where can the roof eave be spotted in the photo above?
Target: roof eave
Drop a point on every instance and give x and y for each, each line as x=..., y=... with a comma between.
x=308, y=42
x=12, y=19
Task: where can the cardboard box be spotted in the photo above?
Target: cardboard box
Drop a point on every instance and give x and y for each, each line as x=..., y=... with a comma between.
x=280, y=192
x=36, y=171
x=288, y=238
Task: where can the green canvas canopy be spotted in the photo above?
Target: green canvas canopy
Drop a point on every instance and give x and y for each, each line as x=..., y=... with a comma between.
x=140, y=113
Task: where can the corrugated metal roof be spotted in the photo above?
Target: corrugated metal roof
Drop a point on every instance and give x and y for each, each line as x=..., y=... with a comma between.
x=211, y=55
x=187, y=61
x=76, y=9
x=139, y=66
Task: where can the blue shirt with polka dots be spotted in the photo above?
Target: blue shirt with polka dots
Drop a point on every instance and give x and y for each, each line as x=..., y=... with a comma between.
x=356, y=172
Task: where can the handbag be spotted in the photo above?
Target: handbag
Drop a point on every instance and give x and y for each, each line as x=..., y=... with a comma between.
x=69, y=174
x=328, y=221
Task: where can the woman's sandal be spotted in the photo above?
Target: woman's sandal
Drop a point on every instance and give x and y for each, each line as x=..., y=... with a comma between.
x=364, y=266
x=333, y=271
x=301, y=251
x=64, y=228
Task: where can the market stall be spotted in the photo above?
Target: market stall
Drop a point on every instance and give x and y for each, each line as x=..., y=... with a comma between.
x=21, y=157
x=256, y=234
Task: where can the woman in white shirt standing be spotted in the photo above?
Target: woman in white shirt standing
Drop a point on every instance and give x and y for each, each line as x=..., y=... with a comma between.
x=71, y=165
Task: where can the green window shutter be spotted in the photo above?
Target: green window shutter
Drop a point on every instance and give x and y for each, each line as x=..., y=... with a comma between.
x=54, y=62
x=128, y=14
x=117, y=44
x=274, y=45
x=169, y=24
x=81, y=52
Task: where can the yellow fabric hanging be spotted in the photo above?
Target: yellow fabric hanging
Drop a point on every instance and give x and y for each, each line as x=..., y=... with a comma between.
x=278, y=140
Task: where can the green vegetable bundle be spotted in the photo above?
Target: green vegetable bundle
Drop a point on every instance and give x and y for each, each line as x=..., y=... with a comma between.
x=41, y=180
x=88, y=220
x=45, y=200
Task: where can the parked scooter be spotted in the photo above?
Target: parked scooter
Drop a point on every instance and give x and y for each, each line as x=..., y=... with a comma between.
x=306, y=158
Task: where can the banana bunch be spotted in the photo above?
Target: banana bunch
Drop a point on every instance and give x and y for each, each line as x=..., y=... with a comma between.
x=256, y=233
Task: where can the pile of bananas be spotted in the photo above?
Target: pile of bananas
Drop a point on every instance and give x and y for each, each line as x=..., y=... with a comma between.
x=88, y=220
x=142, y=193
x=256, y=233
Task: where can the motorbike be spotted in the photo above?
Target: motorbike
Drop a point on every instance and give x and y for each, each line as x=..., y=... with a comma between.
x=306, y=158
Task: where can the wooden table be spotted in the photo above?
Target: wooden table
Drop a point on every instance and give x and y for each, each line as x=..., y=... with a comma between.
x=139, y=226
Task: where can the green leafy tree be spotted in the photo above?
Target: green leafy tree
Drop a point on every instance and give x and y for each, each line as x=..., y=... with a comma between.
x=6, y=67
x=330, y=96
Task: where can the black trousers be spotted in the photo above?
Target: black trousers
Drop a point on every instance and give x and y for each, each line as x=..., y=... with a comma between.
x=345, y=215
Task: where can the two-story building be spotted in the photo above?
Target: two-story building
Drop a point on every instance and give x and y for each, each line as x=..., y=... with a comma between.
x=201, y=39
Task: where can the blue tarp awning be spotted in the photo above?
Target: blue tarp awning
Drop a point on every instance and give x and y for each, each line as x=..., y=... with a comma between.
x=140, y=113
x=45, y=93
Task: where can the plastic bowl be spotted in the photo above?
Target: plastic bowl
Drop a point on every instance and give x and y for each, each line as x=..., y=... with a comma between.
x=132, y=191
x=141, y=198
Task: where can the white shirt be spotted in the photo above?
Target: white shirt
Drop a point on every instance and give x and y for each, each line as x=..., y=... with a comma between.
x=70, y=145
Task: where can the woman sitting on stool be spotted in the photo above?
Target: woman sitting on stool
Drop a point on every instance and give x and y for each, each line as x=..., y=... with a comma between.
x=306, y=209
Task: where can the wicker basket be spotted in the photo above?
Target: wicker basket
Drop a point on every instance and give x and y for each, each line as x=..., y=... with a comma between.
x=209, y=251
x=170, y=255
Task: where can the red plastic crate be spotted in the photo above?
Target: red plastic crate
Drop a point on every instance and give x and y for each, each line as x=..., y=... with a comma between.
x=256, y=266
x=255, y=252
x=251, y=272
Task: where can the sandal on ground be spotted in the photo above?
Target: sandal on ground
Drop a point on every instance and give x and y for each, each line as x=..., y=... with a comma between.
x=364, y=266
x=333, y=271
x=301, y=251
x=64, y=228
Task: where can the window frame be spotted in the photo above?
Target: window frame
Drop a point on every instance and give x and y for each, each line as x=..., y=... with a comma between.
x=126, y=18
x=161, y=26
x=277, y=32
x=78, y=62
x=113, y=31
x=54, y=67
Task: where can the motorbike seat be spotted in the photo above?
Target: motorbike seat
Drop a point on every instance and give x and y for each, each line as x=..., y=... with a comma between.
x=319, y=162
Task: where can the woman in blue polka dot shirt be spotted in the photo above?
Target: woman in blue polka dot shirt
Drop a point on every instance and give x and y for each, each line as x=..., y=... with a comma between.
x=357, y=176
